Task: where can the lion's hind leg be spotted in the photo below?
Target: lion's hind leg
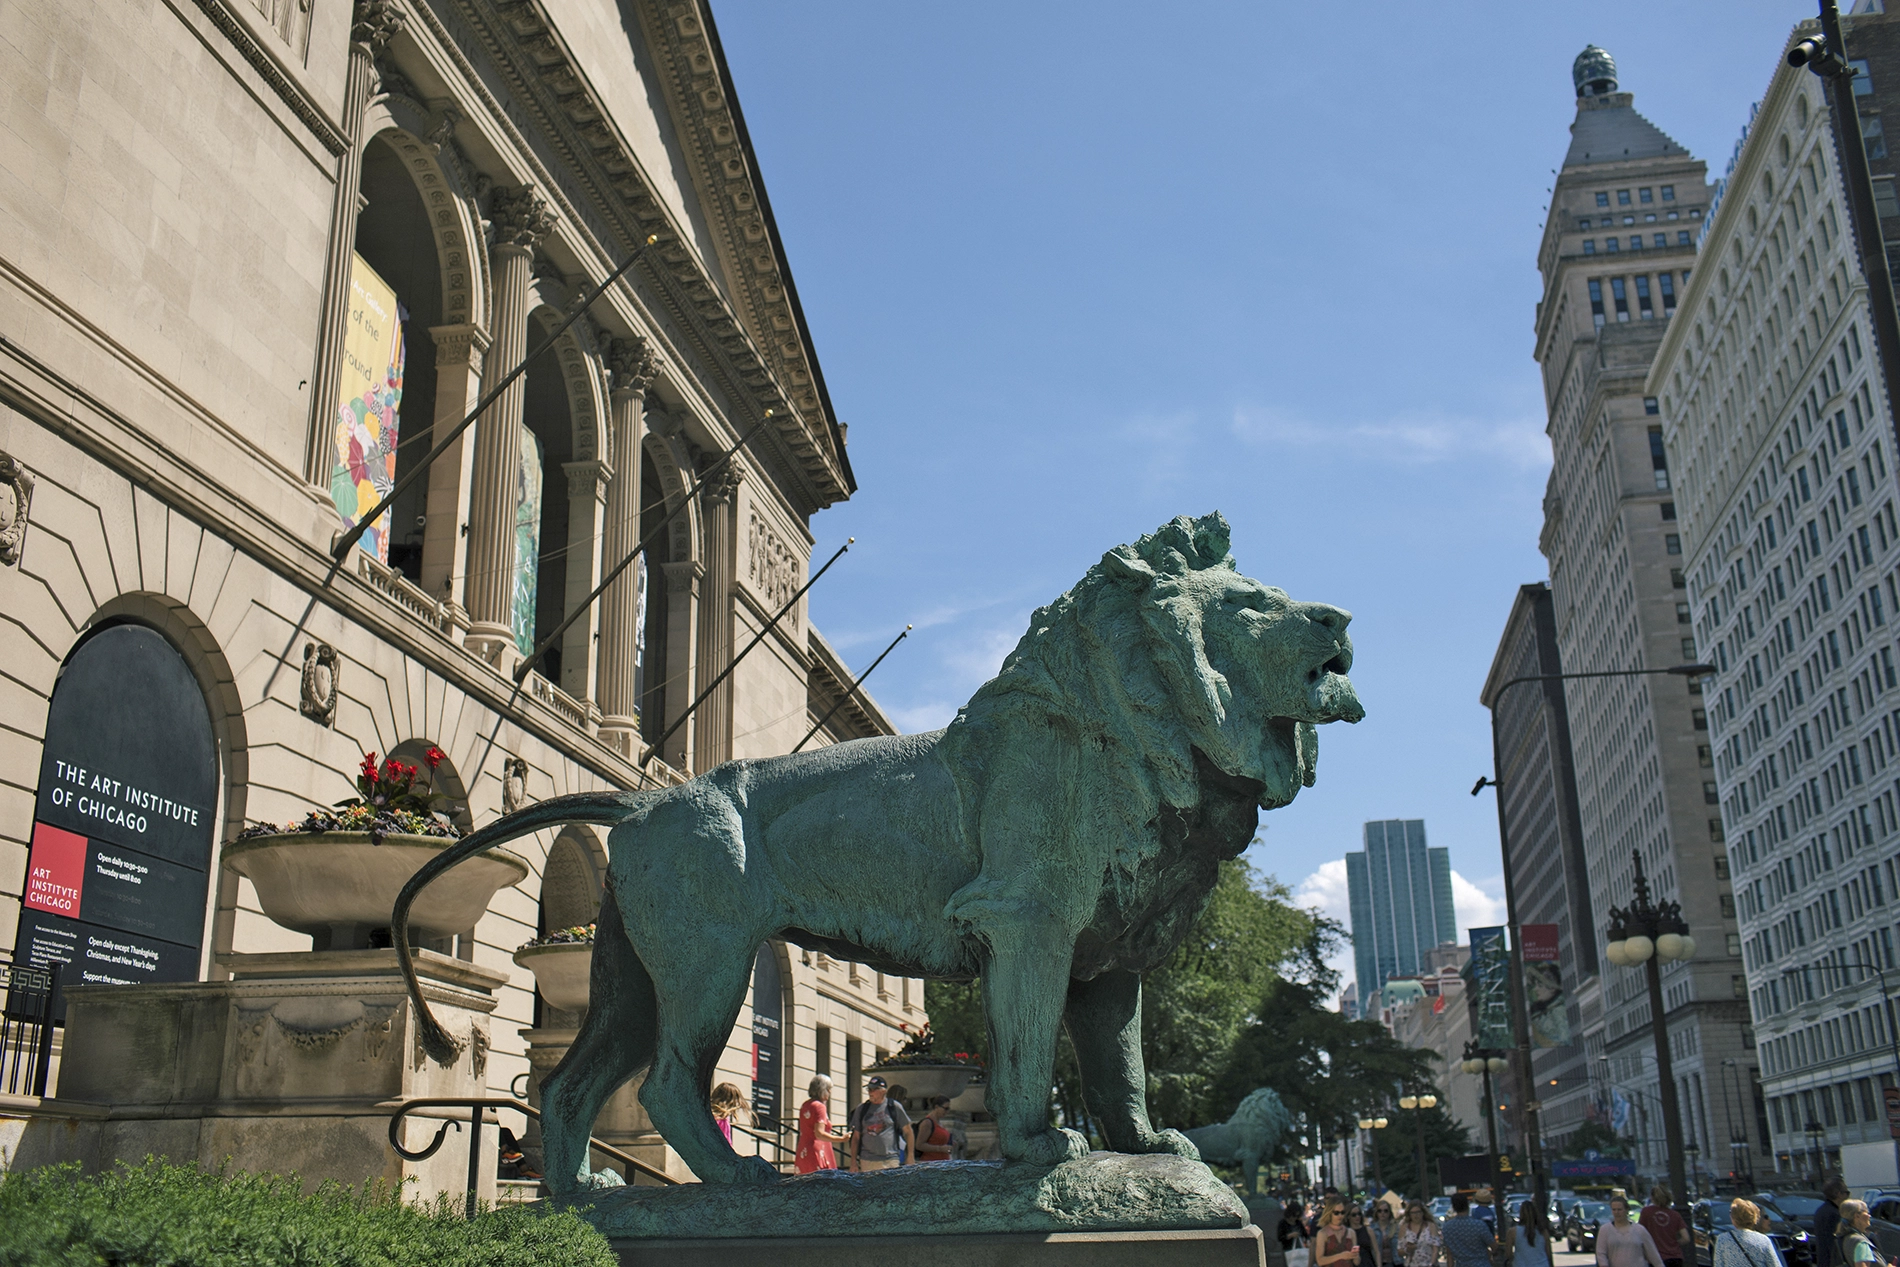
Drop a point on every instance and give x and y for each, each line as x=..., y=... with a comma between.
x=615, y=1042
x=1104, y=1022
x=703, y=979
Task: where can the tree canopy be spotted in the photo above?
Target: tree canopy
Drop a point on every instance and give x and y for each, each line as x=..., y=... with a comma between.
x=1241, y=1003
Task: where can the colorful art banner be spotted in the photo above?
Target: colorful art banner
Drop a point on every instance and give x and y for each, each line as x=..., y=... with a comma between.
x=369, y=394
x=1491, y=988
x=1548, y=1003
x=527, y=539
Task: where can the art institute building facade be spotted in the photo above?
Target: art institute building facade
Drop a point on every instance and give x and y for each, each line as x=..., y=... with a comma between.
x=255, y=257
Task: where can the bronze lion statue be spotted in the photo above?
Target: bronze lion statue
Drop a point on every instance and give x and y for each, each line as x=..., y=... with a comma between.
x=1057, y=840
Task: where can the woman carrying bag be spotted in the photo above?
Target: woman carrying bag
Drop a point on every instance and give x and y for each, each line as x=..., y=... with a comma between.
x=1419, y=1243
x=1742, y=1243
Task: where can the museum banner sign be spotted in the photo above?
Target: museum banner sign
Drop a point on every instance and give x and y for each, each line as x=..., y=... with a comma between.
x=1544, y=986
x=118, y=868
x=1491, y=988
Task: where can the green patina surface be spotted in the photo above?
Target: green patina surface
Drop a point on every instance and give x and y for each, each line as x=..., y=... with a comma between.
x=1057, y=840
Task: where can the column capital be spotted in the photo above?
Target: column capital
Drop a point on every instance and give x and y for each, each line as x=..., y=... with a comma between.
x=373, y=23
x=723, y=484
x=520, y=216
x=684, y=576
x=633, y=364
x=588, y=477
x=462, y=344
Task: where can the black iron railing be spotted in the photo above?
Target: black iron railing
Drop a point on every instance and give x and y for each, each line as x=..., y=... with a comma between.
x=26, y=1028
x=476, y=1105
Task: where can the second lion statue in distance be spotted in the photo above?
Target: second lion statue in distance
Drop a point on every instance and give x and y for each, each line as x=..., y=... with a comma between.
x=1057, y=840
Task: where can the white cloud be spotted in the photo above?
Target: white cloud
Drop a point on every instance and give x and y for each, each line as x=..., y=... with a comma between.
x=1475, y=908
x=1408, y=438
x=1326, y=889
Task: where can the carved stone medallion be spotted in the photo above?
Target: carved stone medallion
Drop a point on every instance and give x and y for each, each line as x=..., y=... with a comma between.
x=320, y=666
x=16, y=499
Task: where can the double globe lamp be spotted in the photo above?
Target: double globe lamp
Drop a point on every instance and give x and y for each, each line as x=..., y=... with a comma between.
x=1629, y=952
x=1479, y=1064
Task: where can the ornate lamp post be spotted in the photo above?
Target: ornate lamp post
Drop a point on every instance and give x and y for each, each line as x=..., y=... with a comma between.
x=1419, y=1102
x=1486, y=1061
x=1373, y=1122
x=1648, y=934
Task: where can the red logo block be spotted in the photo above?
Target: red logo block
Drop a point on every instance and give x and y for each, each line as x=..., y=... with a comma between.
x=55, y=871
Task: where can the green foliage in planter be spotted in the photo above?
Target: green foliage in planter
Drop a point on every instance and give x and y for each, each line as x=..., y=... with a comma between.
x=160, y=1215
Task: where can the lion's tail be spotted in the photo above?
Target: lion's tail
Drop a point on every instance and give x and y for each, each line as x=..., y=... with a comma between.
x=582, y=807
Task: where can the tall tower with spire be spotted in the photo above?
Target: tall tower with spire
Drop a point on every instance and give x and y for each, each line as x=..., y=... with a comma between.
x=1626, y=211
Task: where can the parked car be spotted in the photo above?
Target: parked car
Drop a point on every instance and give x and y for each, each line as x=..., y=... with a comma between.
x=1709, y=1219
x=1581, y=1223
x=1440, y=1208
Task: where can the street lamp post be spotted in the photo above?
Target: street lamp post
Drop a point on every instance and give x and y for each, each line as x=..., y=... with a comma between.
x=1649, y=934
x=1419, y=1102
x=1741, y=1150
x=1520, y=1006
x=1372, y=1123
x=1485, y=1061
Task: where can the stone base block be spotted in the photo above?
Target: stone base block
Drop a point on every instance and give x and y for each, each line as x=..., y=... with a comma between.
x=1100, y=1193
x=1225, y=1247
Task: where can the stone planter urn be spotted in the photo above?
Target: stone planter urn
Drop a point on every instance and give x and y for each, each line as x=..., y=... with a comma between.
x=339, y=886
x=561, y=970
x=920, y=1082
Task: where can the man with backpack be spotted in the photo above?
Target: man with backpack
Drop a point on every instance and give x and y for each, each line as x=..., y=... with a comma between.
x=876, y=1128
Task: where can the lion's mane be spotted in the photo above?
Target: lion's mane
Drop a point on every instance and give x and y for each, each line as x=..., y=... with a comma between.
x=1117, y=666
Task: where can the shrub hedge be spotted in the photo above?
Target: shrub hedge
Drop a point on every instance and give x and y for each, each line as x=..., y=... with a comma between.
x=161, y=1215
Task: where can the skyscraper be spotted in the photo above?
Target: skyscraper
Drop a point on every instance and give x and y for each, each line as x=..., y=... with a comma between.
x=1617, y=252
x=1775, y=411
x=1546, y=878
x=1399, y=892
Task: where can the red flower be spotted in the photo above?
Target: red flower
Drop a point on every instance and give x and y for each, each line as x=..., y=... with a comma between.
x=369, y=767
x=433, y=756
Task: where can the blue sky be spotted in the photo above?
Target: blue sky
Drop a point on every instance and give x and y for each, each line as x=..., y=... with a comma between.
x=1074, y=269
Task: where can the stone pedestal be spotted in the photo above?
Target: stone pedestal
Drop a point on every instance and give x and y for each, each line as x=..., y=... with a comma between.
x=622, y=1121
x=1236, y=1247
x=295, y=1064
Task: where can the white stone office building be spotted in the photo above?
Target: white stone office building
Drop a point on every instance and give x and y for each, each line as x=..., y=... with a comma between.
x=200, y=204
x=1781, y=443
x=1617, y=250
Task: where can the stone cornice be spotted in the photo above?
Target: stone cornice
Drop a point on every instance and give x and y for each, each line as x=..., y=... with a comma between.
x=550, y=95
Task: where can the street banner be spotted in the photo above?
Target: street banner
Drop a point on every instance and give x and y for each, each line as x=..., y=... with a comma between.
x=369, y=391
x=528, y=489
x=1548, y=1003
x=1892, y=1097
x=1491, y=989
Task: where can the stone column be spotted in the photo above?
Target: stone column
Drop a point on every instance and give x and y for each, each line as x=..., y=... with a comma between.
x=587, y=484
x=520, y=218
x=375, y=23
x=713, y=723
x=682, y=581
x=459, y=354
x=633, y=368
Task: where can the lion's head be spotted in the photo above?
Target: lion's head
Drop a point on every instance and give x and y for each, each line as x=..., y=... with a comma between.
x=1161, y=650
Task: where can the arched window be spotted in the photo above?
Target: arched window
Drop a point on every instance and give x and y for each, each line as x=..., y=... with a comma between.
x=397, y=247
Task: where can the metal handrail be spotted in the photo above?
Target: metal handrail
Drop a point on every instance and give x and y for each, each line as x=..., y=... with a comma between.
x=476, y=1104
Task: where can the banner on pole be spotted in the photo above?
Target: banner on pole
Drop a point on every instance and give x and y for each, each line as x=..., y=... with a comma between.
x=1544, y=994
x=1491, y=988
x=369, y=394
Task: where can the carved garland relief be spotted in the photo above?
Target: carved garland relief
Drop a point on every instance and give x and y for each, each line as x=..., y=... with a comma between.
x=16, y=501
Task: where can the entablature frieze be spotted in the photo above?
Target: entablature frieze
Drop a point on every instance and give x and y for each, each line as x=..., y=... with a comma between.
x=530, y=82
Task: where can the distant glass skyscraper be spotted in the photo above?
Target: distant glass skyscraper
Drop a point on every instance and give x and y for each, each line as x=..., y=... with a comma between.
x=1400, y=894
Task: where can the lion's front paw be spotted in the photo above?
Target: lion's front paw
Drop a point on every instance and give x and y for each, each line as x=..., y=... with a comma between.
x=1052, y=1148
x=1170, y=1142
x=596, y=1180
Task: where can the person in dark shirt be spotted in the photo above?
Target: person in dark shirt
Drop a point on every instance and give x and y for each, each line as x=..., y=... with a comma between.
x=1827, y=1217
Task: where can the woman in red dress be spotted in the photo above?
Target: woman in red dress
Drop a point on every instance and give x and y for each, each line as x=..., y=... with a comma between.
x=815, y=1135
